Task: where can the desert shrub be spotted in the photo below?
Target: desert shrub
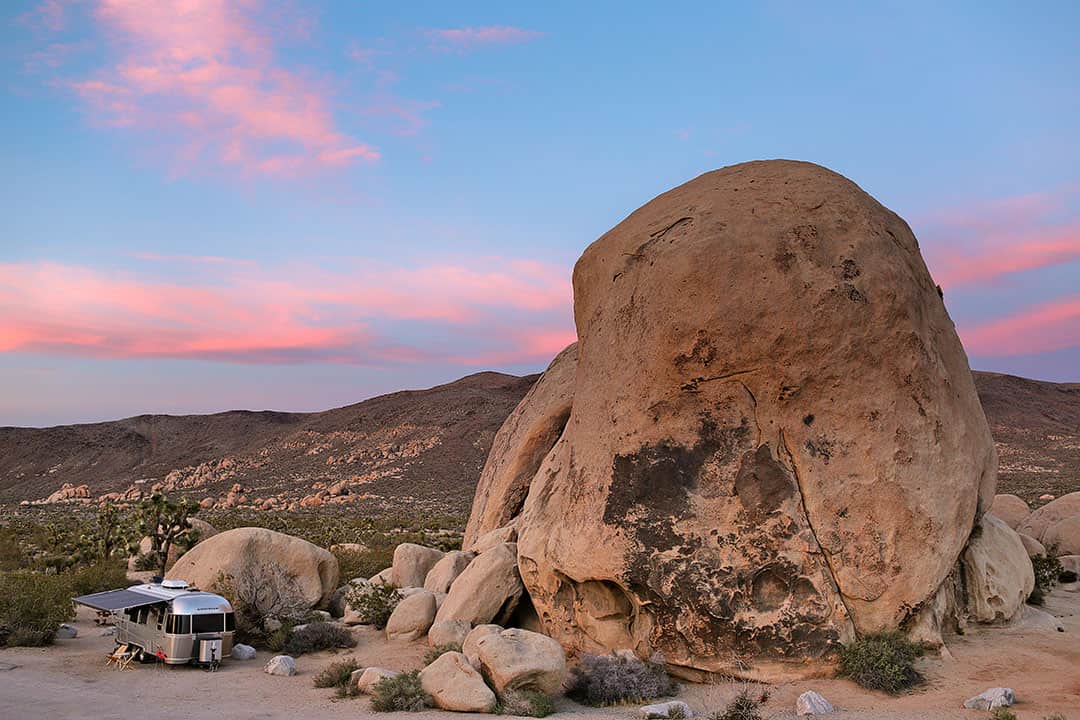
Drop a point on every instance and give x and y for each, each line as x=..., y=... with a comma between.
x=364, y=563
x=1047, y=570
x=373, y=603
x=317, y=636
x=1002, y=714
x=275, y=640
x=402, y=693
x=1055, y=716
x=12, y=555
x=32, y=606
x=99, y=577
x=338, y=676
x=438, y=651
x=745, y=706
x=525, y=703
x=260, y=593
x=613, y=679
x=881, y=661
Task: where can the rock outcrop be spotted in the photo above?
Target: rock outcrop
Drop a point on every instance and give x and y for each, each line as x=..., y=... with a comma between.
x=772, y=419
x=304, y=574
x=412, y=563
x=1064, y=536
x=412, y=617
x=454, y=684
x=488, y=589
x=1052, y=512
x=998, y=573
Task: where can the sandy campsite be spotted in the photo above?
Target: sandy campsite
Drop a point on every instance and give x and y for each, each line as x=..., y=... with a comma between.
x=70, y=680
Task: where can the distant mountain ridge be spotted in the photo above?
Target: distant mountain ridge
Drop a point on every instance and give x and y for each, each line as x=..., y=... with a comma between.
x=416, y=449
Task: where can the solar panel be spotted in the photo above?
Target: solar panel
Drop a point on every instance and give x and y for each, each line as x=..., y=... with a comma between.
x=112, y=600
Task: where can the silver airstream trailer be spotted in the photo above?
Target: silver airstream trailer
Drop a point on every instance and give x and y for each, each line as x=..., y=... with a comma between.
x=168, y=621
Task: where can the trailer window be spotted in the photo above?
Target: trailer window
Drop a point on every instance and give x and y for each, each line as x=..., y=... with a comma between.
x=207, y=623
x=179, y=625
x=230, y=622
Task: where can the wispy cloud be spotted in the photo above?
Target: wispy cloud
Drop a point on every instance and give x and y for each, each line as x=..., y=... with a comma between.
x=469, y=38
x=989, y=241
x=201, y=76
x=484, y=310
x=1054, y=325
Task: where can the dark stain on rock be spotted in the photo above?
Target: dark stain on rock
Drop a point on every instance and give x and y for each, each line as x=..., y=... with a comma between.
x=820, y=448
x=762, y=483
x=808, y=419
x=783, y=258
x=849, y=270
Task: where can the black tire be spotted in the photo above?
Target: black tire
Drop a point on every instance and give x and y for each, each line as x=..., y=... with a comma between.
x=144, y=657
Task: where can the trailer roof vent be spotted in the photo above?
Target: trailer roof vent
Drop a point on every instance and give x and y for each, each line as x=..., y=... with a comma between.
x=174, y=584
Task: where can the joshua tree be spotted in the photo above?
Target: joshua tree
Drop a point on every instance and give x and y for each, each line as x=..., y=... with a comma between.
x=167, y=523
x=112, y=533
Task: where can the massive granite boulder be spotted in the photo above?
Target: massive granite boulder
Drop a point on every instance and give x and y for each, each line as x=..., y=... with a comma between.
x=775, y=441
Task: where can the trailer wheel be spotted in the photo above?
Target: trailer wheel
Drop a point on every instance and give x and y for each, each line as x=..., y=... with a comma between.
x=144, y=657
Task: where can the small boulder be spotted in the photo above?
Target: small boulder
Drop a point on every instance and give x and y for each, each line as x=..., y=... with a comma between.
x=998, y=572
x=1033, y=546
x=1010, y=509
x=454, y=684
x=487, y=591
x=444, y=572
x=383, y=577
x=469, y=648
x=368, y=678
x=109, y=631
x=412, y=617
x=1052, y=512
x=661, y=711
x=448, y=632
x=412, y=563
x=498, y=536
x=242, y=652
x=991, y=699
x=66, y=632
x=1070, y=564
x=280, y=665
x=517, y=659
x=811, y=703
x=1064, y=536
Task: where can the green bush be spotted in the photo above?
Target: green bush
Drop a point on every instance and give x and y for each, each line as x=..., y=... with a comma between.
x=882, y=661
x=276, y=640
x=744, y=707
x=339, y=676
x=32, y=606
x=438, y=651
x=317, y=636
x=99, y=577
x=525, y=703
x=373, y=603
x=402, y=693
x=600, y=680
x=1047, y=569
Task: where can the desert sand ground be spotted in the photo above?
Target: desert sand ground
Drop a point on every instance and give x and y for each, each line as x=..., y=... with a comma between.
x=70, y=680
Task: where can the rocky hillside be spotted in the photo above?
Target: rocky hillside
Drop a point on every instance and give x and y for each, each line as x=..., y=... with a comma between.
x=1036, y=426
x=417, y=448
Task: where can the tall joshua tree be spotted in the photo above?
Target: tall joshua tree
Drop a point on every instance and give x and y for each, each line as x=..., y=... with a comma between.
x=168, y=524
x=111, y=534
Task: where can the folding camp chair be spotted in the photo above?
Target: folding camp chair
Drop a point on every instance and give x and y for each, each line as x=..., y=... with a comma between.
x=121, y=657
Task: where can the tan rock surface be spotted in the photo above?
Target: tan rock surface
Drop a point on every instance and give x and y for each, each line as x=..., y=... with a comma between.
x=1064, y=536
x=516, y=659
x=1033, y=546
x=448, y=632
x=520, y=446
x=1011, y=509
x=445, y=571
x=1054, y=511
x=456, y=685
x=412, y=563
x=257, y=552
x=998, y=572
x=773, y=418
x=412, y=617
x=488, y=590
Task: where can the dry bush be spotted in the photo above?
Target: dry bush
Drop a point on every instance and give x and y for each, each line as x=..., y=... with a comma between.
x=317, y=636
x=600, y=680
x=402, y=693
x=881, y=661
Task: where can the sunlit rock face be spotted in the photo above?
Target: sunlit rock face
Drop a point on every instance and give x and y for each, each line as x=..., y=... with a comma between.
x=774, y=441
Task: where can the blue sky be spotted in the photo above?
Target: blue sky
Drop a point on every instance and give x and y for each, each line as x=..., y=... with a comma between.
x=298, y=205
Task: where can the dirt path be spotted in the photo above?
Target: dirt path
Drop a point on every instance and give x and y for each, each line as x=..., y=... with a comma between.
x=70, y=680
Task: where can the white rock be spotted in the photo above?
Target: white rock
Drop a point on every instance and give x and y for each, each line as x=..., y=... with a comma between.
x=991, y=699
x=66, y=632
x=454, y=684
x=811, y=703
x=368, y=678
x=280, y=665
x=242, y=652
x=659, y=711
x=449, y=632
x=412, y=563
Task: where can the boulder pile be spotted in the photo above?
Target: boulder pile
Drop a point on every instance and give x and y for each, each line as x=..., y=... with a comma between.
x=766, y=421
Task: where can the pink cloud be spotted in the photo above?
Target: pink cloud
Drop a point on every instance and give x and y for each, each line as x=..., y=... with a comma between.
x=361, y=312
x=991, y=240
x=1054, y=325
x=472, y=37
x=201, y=75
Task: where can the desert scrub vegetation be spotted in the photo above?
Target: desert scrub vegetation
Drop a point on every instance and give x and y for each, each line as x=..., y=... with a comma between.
x=339, y=676
x=1002, y=714
x=317, y=636
x=881, y=661
x=402, y=693
x=438, y=651
x=262, y=596
x=745, y=706
x=525, y=703
x=363, y=563
x=600, y=680
x=1047, y=570
x=373, y=603
x=32, y=606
